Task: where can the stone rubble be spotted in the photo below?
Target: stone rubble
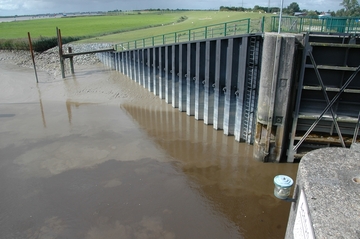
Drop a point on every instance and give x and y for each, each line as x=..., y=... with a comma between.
x=49, y=60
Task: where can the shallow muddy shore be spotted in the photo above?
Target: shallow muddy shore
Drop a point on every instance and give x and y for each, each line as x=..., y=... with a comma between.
x=49, y=60
x=95, y=155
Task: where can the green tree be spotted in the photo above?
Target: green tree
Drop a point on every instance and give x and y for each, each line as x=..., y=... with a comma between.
x=351, y=8
x=312, y=14
x=292, y=8
x=256, y=8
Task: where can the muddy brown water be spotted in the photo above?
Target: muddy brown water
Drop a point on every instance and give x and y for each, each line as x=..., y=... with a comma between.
x=133, y=169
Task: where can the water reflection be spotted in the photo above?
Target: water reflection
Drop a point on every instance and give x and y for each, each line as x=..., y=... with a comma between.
x=72, y=104
x=41, y=106
x=89, y=172
x=223, y=170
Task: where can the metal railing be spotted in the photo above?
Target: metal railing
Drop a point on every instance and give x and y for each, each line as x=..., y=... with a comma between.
x=244, y=26
x=212, y=31
x=307, y=24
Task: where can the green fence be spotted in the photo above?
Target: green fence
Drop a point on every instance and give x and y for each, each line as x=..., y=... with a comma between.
x=243, y=26
x=212, y=31
x=306, y=24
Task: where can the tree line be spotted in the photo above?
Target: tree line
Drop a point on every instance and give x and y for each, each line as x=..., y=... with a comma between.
x=351, y=8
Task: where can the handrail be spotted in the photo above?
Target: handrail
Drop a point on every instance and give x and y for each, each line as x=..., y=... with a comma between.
x=288, y=24
x=211, y=31
x=308, y=24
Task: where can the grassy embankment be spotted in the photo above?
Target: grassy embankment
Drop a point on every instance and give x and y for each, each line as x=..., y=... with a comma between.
x=113, y=29
x=195, y=19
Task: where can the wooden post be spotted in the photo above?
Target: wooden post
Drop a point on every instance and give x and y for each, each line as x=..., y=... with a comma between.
x=32, y=56
x=58, y=33
x=71, y=61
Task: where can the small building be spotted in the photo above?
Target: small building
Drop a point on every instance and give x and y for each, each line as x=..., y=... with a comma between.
x=325, y=15
x=299, y=14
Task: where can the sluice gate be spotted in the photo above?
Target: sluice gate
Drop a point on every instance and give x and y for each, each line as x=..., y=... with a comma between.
x=309, y=95
x=284, y=93
x=327, y=105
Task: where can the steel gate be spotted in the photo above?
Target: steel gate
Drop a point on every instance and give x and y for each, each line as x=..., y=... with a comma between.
x=327, y=103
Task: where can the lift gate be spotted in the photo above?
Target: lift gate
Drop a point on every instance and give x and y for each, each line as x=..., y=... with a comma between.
x=327, y=103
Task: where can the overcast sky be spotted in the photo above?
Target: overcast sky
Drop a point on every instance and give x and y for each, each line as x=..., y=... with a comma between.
x=27, y=7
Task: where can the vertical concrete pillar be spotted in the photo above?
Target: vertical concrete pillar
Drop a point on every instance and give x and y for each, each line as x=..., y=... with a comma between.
x=108, y=59
x=116, y=61
x=162, y=72
x=137, y=66
x=175, y=75
x=110, y=62
x=220, y=76
x=105, y=58
x=228, y=88
x=182, y=76
x=190, y=79
x=200, y=80
x=125, y=62
x=117, y=56
x=155, y=75
x=143, y=66
x=113, y=61
x=232, y=78
x=240, y=88
x=168, y=74
x=274, y=101
x=122, y=62
x=132, y=64
x=150, y=62
x=210, y=62
x=128, y=63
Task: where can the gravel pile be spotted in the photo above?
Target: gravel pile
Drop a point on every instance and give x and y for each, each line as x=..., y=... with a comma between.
x=49, y=60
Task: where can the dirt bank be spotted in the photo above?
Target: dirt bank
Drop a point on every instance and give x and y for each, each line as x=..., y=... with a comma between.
x=91, y=83
x=49, y=60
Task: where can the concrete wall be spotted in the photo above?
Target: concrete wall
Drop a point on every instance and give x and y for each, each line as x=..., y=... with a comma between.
x=213, y=80
x=261, y=89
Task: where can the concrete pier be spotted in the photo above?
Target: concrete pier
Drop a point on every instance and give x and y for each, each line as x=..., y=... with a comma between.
x=327, y=195
x=275, y=90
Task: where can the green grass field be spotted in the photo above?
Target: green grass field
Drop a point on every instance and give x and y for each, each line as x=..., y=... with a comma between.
x=195, y=19
x=82, y=26
x=102, y=28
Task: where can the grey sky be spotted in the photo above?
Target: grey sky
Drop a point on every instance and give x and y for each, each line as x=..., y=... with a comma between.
x=24, y=7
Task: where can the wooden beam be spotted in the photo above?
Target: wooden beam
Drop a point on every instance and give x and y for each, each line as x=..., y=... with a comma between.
x=68, y=55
